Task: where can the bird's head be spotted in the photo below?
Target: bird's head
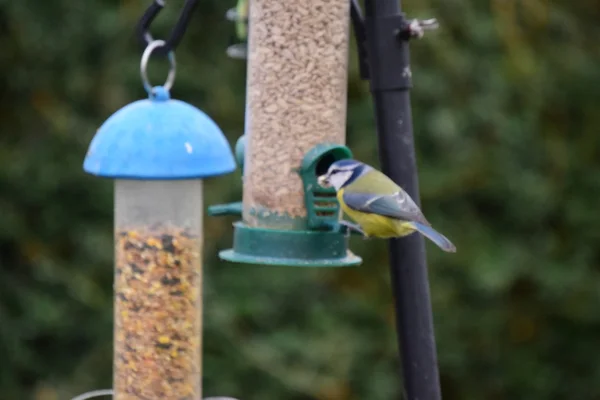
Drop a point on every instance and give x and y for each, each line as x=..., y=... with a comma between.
x=342, y=173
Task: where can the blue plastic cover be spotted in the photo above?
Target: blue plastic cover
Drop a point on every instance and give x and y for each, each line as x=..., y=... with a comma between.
x=159, y=138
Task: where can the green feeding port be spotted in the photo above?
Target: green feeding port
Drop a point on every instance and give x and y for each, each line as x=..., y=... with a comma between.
x=322, y=207
x=322, y=244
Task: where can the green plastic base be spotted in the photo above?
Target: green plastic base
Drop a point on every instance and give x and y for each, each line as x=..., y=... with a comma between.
x=289, y=248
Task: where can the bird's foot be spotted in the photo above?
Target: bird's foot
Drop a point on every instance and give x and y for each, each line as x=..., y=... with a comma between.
x=352, y=227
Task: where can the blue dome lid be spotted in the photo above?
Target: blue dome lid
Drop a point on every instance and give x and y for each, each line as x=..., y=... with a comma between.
x=159, y=138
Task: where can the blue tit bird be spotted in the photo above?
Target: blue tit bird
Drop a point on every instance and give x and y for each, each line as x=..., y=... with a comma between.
x=379, y=206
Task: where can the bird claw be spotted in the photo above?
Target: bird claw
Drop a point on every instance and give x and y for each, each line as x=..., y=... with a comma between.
x=352, y=227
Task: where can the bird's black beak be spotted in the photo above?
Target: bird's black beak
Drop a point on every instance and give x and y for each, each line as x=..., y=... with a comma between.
x=323, y=180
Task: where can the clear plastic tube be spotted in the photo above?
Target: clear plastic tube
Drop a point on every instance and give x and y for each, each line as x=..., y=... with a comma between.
x=296, y=98
x=158, y=290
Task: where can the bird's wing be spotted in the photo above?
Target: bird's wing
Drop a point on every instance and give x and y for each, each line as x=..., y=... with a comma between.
x=398, y=205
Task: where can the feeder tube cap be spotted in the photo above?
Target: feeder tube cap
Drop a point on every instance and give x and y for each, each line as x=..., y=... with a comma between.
x=159, y=138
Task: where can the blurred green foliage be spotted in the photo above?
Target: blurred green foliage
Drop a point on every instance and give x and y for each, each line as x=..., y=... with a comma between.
x=505, y=105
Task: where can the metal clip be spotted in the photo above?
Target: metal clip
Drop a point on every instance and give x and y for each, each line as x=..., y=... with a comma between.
x=416, y=28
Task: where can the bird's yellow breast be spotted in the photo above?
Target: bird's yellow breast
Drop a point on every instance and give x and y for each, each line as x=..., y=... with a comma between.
x=373, y=224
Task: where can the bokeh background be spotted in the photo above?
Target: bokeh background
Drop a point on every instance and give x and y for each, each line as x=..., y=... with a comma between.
x=507, y=131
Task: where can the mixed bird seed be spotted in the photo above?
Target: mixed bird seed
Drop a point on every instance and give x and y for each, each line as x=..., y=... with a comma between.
x=157, y=315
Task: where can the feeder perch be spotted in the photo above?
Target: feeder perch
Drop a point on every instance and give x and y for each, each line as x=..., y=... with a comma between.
x=320, y=243
x=158, y=151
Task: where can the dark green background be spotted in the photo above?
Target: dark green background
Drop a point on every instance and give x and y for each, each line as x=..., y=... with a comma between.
x=506, y=117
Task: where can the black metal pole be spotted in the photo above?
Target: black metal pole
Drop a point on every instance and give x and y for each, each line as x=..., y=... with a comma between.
x=390, y=80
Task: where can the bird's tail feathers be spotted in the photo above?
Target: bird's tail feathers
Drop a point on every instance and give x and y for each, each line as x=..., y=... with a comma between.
x=440, y=240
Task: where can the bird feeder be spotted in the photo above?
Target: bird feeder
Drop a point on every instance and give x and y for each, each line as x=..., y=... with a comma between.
x=295, y=128
x=158, y=151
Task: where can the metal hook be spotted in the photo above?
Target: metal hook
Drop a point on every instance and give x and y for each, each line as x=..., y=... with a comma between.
x=145, y=37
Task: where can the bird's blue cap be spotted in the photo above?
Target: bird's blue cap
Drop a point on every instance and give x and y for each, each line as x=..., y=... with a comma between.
x=159, y=138
x=347, y=162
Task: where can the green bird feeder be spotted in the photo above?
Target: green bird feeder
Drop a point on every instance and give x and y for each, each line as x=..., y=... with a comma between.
x=295, y=129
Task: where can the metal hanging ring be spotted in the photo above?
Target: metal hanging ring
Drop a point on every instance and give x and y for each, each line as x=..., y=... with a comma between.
x=144, y=64
x=145, y=37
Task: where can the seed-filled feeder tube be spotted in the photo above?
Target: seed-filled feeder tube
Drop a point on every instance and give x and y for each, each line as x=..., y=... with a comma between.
x=296, y=100
x=158, y=151
x=158, y=282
